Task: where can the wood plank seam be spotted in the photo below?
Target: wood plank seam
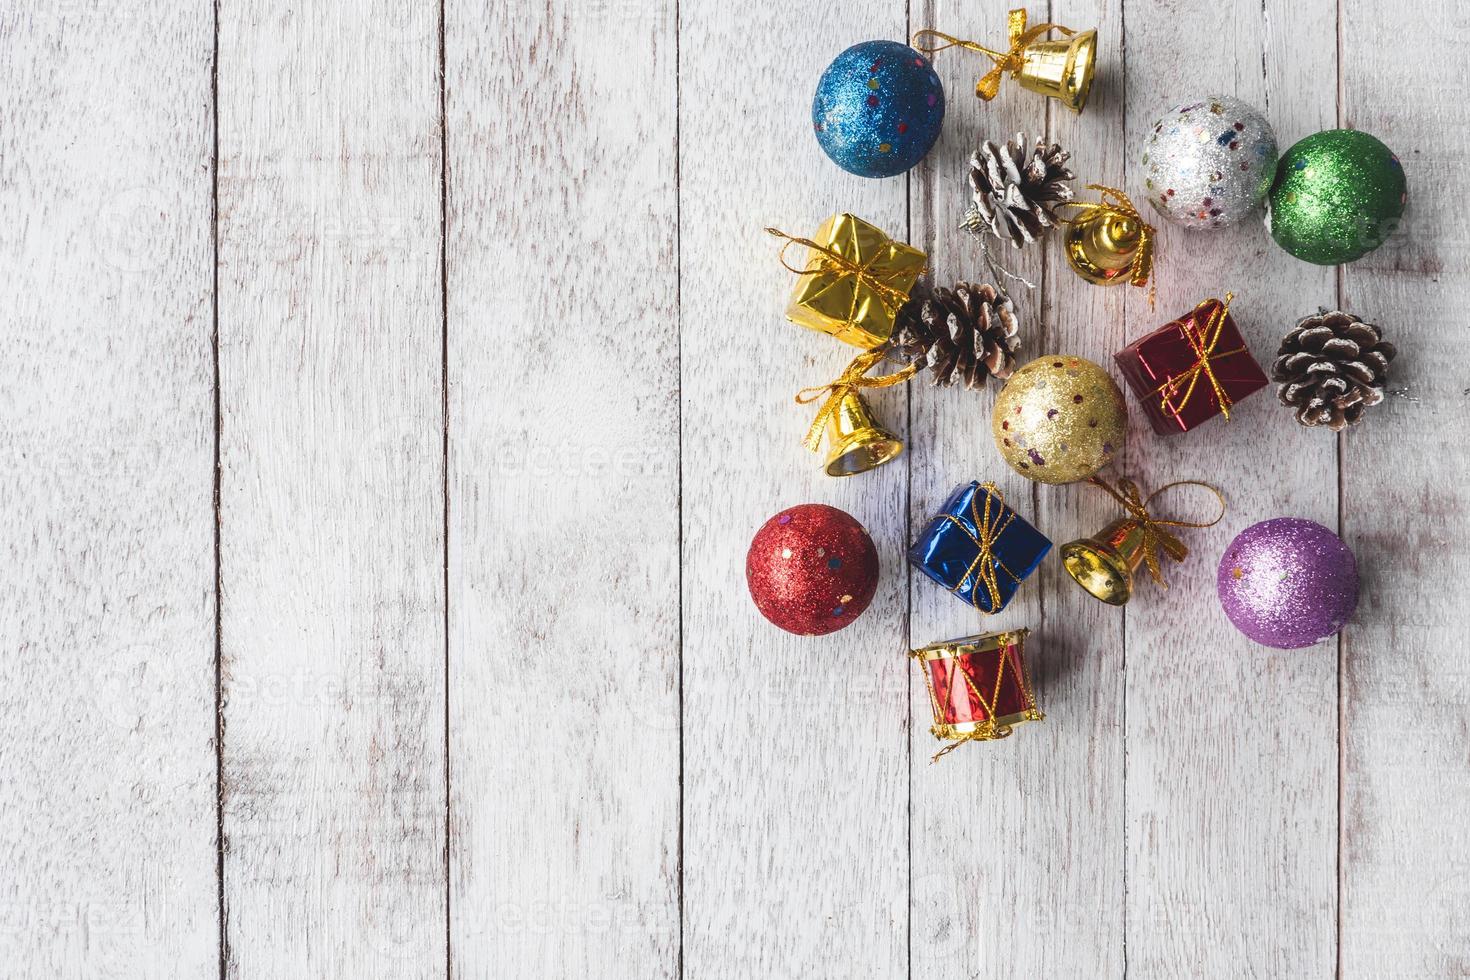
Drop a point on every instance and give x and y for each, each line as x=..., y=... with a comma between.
x=444, y=415
x=219, y=637
x=1341, y=644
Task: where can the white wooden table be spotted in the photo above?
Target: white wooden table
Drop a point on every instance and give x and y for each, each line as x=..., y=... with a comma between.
x=389, y=391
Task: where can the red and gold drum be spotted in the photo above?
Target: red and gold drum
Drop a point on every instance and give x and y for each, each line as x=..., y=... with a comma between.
x=978, y=686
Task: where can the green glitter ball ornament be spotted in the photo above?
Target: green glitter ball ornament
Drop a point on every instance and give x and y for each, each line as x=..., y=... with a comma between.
x=1337, y=196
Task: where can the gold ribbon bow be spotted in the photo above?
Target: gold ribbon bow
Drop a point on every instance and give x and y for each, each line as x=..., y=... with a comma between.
x=990, y=528
x=1115, y=202
x=853, y=378
x=1155, y=537
x=863, y=272
x=1203, y=341
x=1011, y=60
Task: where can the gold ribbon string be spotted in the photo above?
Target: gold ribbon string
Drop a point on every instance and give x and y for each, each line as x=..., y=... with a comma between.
x=853, y=378
x=1203, y=342
x=1155, y=537
x=1115, y=202
x=1011, y=60
x=830, y=257
x=985, y=563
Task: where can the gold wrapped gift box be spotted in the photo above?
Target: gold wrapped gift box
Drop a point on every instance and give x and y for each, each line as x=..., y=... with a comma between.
x=854, y=281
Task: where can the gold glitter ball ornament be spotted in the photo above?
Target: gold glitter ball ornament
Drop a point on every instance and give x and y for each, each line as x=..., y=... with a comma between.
x=1059, y=419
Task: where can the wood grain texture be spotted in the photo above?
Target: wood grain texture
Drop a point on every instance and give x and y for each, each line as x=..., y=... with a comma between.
x=1020, y=837
x=107, y=761
x=564, y=497
x=1405, y=860
x=501, y=405
x=1231, y=755
x=795, y=808
x=331, y=490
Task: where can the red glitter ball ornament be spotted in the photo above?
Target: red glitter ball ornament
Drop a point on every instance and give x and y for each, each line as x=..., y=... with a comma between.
x=811, y=569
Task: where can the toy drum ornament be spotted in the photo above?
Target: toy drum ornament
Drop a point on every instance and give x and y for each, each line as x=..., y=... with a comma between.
x=978, y=687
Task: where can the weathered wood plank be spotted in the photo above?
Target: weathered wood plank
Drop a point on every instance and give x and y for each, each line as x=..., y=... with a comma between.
x=1036, y=848
x=331, y=490
x=795, y=749
x=564, y=504
x=1231, y=758
x=107, y=761
x=1405, y=874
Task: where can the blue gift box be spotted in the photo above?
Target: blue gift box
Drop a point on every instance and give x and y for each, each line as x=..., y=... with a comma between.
x=979, y=548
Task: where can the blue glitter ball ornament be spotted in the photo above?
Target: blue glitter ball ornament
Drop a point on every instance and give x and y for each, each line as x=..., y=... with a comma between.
x=878, y=108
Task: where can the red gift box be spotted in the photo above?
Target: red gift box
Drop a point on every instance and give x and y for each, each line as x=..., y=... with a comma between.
x=978, y=686
x=1191, y=369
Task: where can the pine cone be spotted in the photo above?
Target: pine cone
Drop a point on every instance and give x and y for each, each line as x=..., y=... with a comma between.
x=1015, y=190
x=1331, y=366
x=967, y=334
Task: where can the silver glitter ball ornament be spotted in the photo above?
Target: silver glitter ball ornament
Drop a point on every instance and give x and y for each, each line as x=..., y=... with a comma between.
x=1208, y=162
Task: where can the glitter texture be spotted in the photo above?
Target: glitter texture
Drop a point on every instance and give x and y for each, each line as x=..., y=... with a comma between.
x=878, y=108
x=1288, y=583
x=1208, y=162
x=811, y=569
x=1338, y=195
x=1059, y=419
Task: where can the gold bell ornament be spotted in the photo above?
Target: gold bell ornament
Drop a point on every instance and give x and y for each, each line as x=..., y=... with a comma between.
x=1059, y=68
x=1108, y=242
x=1104, y=563
x=856, y=441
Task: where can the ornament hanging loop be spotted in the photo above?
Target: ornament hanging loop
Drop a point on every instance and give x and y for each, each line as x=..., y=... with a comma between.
x=1154, y=536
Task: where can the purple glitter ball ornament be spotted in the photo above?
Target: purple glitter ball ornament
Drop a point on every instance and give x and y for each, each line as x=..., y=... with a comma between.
x=1288, y=583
